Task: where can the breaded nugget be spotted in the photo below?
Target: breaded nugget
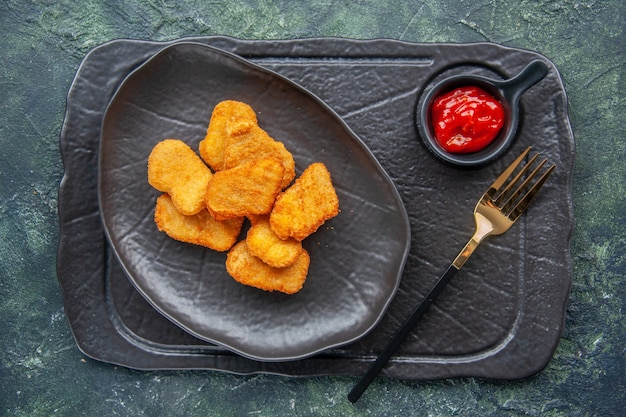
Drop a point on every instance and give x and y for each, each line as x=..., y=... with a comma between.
x=245, y=190
x=200, y=229
x=234, y=137
x=256, y=144
x=174, y=168
x=265, y=245
x=302, y=208
x=228, y=118
x=250, y=270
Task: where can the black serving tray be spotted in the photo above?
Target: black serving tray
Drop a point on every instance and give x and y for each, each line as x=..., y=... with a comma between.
x=501, y=317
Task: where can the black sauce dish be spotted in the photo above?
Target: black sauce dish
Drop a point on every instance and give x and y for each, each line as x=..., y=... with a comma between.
x=508, y=92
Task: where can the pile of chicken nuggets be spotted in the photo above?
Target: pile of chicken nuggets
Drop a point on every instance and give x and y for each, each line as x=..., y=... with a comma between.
x=242, y=173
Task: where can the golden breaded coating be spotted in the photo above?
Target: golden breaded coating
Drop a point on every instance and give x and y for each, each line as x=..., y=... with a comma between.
x=248, y=148
x=174, y=168
x=245, y=190
x=257, y=144
x=200, y=229
x=234, y=137
x=250, y=270
x=265, y=245
x=251, y=169
x=306, y=205
x=229, y=117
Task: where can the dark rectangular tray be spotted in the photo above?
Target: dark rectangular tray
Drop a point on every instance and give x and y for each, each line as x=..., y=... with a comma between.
x=501, y=317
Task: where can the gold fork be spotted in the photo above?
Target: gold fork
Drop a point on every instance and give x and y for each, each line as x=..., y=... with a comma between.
x=496, y=211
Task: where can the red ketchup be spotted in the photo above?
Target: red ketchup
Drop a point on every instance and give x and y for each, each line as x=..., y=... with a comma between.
x=466, y=119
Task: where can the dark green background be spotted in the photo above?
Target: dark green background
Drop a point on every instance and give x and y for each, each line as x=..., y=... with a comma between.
x=42, y=371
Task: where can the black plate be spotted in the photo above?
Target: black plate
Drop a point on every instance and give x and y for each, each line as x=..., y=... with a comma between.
x=357, y=258
x=502, y=315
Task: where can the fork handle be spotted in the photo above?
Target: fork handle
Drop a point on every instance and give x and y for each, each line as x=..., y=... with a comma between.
x=400, y=335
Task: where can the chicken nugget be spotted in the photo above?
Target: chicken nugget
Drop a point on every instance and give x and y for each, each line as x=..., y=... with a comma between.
x=245, y=190
x=265, y=245
x=199, y=229
x=302, y=208
x=174, y=168
x=255, y=144
x=234, y=137
x=229, y=117
x=250, y=270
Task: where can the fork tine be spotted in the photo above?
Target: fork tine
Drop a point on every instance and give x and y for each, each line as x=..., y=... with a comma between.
x=510, y=193
x=524, y=202
x=497, y=184
x=505, y=194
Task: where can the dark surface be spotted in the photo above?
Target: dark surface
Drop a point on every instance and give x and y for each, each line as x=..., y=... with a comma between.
x=42, y=371
x=440, y=347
